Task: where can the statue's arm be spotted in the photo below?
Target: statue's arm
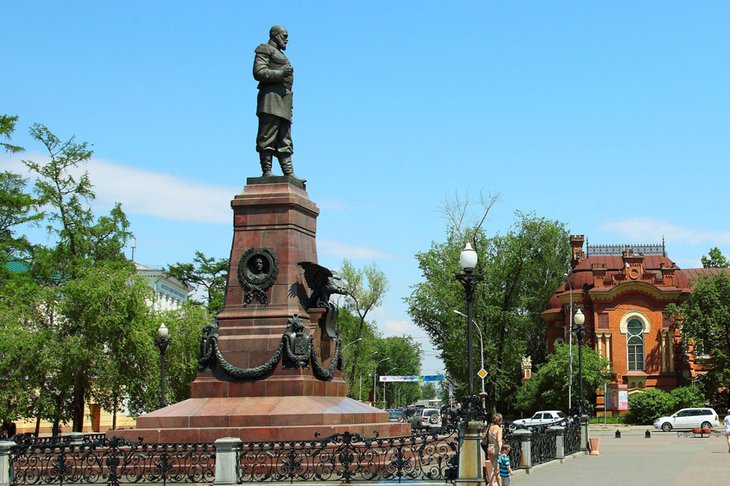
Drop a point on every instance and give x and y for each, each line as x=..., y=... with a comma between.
x=262, y=72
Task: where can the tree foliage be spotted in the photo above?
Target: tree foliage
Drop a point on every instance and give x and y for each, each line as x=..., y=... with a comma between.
x=645, y=407
x=548, y=387
x=715, y=259
x=521, y=268
x=705, y=318
x=365, y=289
x=206, y=273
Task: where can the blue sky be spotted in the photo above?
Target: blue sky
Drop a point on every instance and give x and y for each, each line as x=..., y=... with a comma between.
x=609, y=116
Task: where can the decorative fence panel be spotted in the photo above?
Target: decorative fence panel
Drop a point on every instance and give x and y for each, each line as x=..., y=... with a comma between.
x=543, y=447
x=112, y=462
x=572, y=437
x=349, y=457
x=515, y=452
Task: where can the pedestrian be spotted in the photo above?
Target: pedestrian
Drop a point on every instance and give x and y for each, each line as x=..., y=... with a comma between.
x=505, y=469
x=8, y=429
x=492, y=444
x=727, y=428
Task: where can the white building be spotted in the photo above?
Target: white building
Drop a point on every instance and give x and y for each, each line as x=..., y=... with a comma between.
x=169, y=292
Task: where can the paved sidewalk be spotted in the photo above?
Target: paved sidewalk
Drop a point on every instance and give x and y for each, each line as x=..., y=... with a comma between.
x=664, y=459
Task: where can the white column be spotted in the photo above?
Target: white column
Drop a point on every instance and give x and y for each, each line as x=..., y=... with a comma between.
x=663, y=342
x=600, y=344
x=225, y=461
x=608, y=348
x=670, y=342
x=5, y=462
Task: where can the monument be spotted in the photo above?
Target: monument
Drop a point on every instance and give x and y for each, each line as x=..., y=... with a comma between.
x=270, y=364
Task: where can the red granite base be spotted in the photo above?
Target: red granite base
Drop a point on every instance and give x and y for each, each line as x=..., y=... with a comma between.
x=261, y=419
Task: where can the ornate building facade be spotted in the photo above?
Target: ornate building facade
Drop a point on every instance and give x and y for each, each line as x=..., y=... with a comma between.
x=623, y=291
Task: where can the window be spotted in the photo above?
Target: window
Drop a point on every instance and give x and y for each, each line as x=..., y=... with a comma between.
x=635, y=344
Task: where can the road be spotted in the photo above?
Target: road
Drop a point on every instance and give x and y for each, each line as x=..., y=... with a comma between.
x=664, y=459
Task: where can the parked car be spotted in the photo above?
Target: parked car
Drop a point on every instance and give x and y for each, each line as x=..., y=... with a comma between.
x=689, y=418
x=425, y=418
x=395, y=414
x=542, y=417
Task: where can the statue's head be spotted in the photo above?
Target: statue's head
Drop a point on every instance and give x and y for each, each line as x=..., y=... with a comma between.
x=279, y=36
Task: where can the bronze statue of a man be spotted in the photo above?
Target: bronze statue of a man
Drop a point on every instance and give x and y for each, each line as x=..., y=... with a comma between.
x=275, y=75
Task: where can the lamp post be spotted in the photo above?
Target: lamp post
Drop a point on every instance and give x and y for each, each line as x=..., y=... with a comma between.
x=570, y=344
x=580, y=331
x=481, y=343
x=470, y=454
x=469, y=279
x=162, y=341
x=375, y=380
x=350, y=344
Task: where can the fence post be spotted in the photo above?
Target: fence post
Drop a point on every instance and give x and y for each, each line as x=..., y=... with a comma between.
x=226, y=460
x=583, y=433
x=5, y=462
x=559, y=441
x=526, y=445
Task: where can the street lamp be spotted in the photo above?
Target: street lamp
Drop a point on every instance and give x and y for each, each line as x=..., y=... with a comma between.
x=162, y=341
x=481, y=343
x=375, y=380
x=350, y=344
x=470, y=454
x=469, y=279
x=570, y=344
x=580, y=331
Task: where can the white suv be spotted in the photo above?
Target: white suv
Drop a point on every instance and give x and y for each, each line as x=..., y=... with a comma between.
x=689, y=418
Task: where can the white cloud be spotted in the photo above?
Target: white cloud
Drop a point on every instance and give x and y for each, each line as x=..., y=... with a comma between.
x=149, y=193
x=340, y=249
x=651, y=229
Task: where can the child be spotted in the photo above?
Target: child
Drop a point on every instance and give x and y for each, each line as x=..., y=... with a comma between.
x=505, y=471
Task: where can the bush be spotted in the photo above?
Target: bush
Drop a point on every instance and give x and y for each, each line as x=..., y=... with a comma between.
x=647, y=406
x=687, y=396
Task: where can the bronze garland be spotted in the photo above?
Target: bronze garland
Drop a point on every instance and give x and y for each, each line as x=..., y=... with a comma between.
x=296, y=347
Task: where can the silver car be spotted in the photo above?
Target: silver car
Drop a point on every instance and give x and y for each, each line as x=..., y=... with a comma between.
x=689, y=418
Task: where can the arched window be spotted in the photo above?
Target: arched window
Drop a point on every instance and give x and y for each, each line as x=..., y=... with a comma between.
x=635, y=344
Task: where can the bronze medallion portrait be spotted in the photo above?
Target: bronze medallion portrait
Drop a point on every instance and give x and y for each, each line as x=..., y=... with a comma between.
x=257, y=271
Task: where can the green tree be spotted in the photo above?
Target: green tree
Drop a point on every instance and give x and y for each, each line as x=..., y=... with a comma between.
x=521, y=268
x=715, y=259
x=548, y=387
x=17, y=207
x=365, y=289
x=181, y=360
x=209, y=274
x=404, y=355
x=705, y=318
x=7, y=127
x=93, y=305
x=646, y=407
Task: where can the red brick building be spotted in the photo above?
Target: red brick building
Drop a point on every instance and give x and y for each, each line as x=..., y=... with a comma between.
x=623, y=291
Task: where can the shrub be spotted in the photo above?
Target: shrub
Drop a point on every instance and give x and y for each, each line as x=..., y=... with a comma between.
x=647, y=406
x=687, y=396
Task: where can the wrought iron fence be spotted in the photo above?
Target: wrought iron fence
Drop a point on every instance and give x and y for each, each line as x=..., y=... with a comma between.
x=515, y=451
x=542, y=447
x=572, y=437
x=113, y=462
x=349, y=457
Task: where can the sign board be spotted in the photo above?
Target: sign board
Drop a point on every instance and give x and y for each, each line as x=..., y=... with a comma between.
x=411, y=378
x=618, y=399
x=482, y=373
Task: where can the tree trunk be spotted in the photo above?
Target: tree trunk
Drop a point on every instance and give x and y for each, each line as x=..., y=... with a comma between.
x=77, y=409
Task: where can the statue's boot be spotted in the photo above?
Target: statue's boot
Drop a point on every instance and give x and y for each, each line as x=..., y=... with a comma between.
x=287, y=168
x=265, y=164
